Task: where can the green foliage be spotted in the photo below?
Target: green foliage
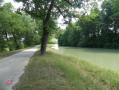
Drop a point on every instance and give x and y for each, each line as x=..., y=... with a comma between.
x=98, y=29
x=22, y=45
x=3, y=43
x=12, y=45
x=48, y=11
x=59, y=31
x=70, y=37
x=17, y=30
x=52, y=41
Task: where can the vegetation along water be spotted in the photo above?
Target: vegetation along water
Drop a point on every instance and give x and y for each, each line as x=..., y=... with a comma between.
x=91, y=24
x=106, y=58
x=59, y=71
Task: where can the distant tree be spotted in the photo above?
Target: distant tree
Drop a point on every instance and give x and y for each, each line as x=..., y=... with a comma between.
x=59, y=32
x=99, y=29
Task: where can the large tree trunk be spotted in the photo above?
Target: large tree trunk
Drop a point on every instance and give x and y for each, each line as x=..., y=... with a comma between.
x=44, y=41
x=45, y=31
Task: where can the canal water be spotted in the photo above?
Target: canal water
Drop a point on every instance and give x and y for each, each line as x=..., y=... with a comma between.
x=106, y=58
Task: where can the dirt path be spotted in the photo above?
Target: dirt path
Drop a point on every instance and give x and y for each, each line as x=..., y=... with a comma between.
x=12, y=67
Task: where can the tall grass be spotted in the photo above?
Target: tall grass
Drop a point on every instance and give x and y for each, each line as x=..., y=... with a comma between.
x=59, y=71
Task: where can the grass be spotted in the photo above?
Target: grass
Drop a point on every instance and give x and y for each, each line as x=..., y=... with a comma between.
x=59, y=71
x=50, y=45
x=6, y=54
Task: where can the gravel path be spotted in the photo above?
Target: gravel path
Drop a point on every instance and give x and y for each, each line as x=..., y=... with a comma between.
x=12, y=67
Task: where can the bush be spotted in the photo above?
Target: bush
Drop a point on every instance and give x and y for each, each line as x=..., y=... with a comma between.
x=82, y=44
x=52, y=41
x=3, y=44
x=22, y=45
x=6, y=50
x=12, y=46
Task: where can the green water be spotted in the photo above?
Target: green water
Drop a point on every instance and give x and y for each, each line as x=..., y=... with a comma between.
x=106, y=58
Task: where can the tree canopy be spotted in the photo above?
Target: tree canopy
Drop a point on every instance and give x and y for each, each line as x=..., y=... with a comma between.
x=16, y=30
x=98, y=29
x=48, y=11
x=36, y=22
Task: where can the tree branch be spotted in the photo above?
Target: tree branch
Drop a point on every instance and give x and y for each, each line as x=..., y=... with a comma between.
x=59, y=11
x=68, y=2
x=49, y=11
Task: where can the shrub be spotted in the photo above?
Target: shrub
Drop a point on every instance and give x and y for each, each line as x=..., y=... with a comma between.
x=11, y=46
x=21, y=45
x=82, y=44
x=52, y=41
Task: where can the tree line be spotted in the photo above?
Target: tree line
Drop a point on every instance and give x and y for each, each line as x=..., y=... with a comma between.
x=17, y=30
x=98, y=29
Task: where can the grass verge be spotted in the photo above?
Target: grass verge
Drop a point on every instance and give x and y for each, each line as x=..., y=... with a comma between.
x=6, y=54
x=58, y=71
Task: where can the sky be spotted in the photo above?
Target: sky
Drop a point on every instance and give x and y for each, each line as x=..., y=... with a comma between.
x=15, y=4
x=60, y=20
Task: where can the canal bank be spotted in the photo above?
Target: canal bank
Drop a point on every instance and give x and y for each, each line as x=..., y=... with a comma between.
x=60, y=71
x=105, y=58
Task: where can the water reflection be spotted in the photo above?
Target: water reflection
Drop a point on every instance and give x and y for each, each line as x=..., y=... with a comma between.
x=55, y=46
x=107, y=58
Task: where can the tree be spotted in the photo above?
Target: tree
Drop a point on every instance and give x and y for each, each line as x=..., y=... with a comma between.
x=5, y=17
x=47, y=10
x=17, y=29
x=71, y=36
x=97, y=29
x=115, y=6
